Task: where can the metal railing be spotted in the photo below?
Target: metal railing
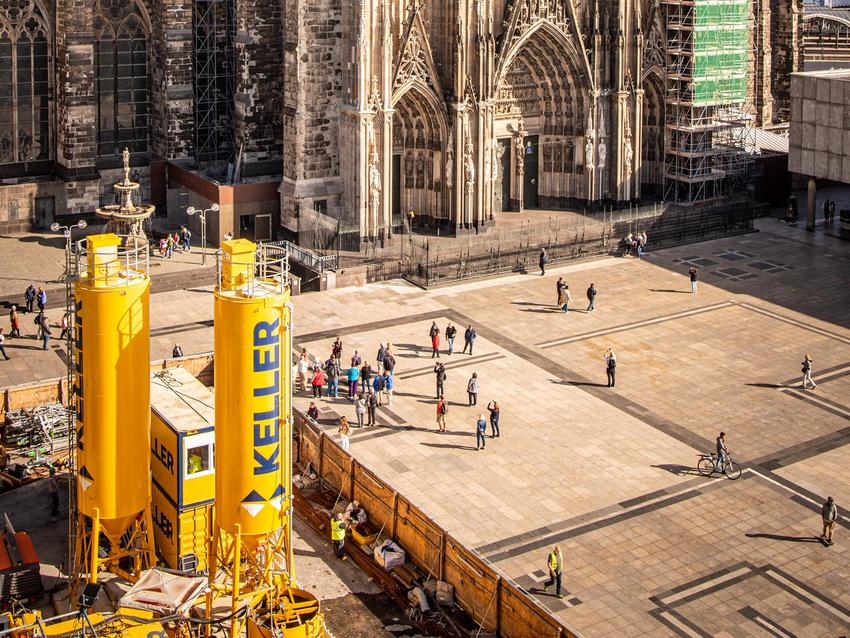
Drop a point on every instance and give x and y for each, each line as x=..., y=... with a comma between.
x=304, y=256
x=126, y=265
x=266, y=272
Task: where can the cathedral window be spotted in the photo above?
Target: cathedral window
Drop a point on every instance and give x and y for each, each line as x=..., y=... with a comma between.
x=24, y=83
x=121, y=63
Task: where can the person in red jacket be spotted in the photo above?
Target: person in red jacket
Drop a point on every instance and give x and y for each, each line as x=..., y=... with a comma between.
x=318, y=382
x=435, y=340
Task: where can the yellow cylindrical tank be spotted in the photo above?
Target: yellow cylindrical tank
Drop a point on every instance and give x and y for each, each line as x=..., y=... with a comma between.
x=112, y=341
x=252, y=370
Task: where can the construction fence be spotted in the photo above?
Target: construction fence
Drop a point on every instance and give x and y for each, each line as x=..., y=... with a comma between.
x=482, y=591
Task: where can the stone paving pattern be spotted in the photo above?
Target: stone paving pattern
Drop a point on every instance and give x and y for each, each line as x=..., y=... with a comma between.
x=651, y=548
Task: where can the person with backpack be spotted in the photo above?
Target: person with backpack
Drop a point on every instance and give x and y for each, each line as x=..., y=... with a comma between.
x=366, y=377
x=472, y=389
x=44, y=329
x=440, y=373
x=434, y=333
x=379, y=357
x=610, y=366
x=332, y=371
x=468, y=339
x=389, y=362
x=442, y=410
x=807, y=372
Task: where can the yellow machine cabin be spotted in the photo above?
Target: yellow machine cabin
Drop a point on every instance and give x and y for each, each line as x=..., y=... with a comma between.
x=182, y=467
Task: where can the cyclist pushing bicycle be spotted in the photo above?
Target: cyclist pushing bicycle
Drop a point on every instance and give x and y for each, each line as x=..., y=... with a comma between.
x=721, y=462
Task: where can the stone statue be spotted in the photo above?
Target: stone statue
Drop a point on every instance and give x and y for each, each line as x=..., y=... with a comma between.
x=603, y=153
x=500, y=151
x=374, y=175
x=488, y=162
x=125, y=155
x=469, y=165
x=588, y=154
x=627, y=156
x=450, y=165
x=520, y=148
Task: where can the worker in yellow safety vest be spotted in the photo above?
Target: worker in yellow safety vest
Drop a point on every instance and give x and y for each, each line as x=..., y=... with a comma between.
x=338, y=535
x=556, y=564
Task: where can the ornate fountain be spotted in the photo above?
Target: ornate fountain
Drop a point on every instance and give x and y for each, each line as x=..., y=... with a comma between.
x=126, y=218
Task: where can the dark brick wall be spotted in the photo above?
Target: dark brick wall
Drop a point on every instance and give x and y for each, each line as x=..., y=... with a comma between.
x=172, y=99
x=259, y=78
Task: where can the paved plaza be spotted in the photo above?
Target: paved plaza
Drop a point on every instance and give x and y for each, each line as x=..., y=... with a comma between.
x=650, y=547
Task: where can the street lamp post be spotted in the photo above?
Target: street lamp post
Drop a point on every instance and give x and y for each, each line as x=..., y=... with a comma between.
x=203, y=213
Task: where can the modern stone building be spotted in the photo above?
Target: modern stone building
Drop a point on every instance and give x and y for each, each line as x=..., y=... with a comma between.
x=352, y=113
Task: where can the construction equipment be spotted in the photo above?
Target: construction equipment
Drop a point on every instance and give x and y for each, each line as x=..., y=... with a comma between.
x=251, y=561
x=112, y=387
x=20, y=578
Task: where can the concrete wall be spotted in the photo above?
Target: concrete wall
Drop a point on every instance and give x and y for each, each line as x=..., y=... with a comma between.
x=819, y=135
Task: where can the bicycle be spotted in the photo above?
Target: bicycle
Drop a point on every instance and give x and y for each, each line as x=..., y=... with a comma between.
x=707, y=466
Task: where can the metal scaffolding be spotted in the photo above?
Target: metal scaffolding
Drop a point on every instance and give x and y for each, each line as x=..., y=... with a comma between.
x=707, y=64
x=214, y=28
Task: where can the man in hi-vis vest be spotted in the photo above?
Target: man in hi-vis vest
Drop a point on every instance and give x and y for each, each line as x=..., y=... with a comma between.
x=338, y=536
x=556, y=564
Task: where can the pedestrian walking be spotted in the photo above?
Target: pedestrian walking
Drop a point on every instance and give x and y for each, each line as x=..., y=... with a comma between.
x=186, y=239
x=451, y=333
x=353, y=378
x=564, y=299
x=611, y=366
x=493, y=407
x=336, y=351
x=639, y=242
x=2, y=345
x=807, y=372
x=301, y=369
x=831, y=211
x=313, y=411
x=643, y=242
x=556, y=569
x=440, y=374
x=559, y=287
x=332, y=371
x=41, y=299
x=344, y=433
x=177, y=351
x=543, y=259
x=29, y=297
x=692, y=273
x=480, y=431
x=629, y=242
x=591, y=298
x=442, y=410
x=169, y=245
x=356, y=359
x=434, y=333
x=468, y=339
x=53, y=492
x=318, y=382
x=829, y=514
x=338, y=535
x=15, y=322
x=472, y=389
x=372, y=406
x=64, y=324
x=379, y=357
x=378, y=386
x=360, y=409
